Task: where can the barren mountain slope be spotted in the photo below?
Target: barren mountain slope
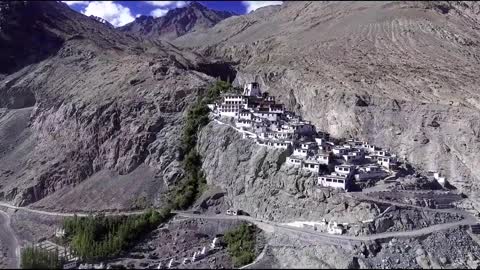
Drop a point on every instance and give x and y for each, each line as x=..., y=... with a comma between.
x=403, y=75
x=94, y=123
x=176, y=22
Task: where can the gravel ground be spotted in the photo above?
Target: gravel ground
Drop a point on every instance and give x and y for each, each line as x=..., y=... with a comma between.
x=447, y=249
x=31, y=227
x=179, y=239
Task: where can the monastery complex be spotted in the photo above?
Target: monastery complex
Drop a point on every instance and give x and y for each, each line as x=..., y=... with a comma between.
x=260, y=118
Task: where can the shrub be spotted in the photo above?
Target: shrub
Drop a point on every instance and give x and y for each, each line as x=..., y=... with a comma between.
x=241, y=244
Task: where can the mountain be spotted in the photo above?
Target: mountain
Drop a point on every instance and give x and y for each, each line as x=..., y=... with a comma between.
x=88, y=112
x=176, y=22
x=90, y=117
x=101, y=20
x=402, y=75
x=45, y=27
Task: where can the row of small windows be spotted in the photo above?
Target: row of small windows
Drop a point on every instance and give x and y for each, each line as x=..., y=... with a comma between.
x=313, y=166
x=234, y=102
x=330, y=180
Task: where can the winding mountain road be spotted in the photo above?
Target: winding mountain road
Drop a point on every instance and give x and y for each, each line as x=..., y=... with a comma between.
x=65, y=214
x=336, y=239
x=7, y=236
x=271, y=227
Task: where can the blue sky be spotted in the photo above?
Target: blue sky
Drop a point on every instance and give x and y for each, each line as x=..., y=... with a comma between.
x=120, y=13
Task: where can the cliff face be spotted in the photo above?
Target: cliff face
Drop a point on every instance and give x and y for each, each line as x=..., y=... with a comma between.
x=98, y=118
x=257, y=180
x=402, y=75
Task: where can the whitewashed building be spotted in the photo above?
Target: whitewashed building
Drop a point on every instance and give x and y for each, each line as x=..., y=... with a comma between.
x=279, y=144
x=320, y=141
x=266, y=115
x=228, y=110
x=381, y=153
x=308, y=145
x=245, y=115
x=355, y=155
x=345, y=170
x=300, y=152
x=370, y=172
x=323, y=158
x=339, y=151
x=252, y=89
x=294, y=161
x=311, y=165
x=242, y=123
x=334, y=181
x=388, y=162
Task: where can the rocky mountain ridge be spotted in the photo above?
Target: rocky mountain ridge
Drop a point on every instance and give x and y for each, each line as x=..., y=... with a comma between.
x=177, y=22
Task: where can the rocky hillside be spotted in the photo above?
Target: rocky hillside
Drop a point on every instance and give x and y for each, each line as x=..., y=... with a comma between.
x=257, y=180
x=91, y=114
x=176, y=22
x=403, y=75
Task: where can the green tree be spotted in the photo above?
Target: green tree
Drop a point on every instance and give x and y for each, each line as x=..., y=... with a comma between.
x=241, y=244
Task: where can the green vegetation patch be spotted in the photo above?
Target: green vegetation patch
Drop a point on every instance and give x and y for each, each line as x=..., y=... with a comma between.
x=241, y=244
x=93, y=238
x=37, y=258
x=194, y=181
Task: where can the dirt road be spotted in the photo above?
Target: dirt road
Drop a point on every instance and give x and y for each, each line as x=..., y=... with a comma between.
x=9, y=246
x=334, y=239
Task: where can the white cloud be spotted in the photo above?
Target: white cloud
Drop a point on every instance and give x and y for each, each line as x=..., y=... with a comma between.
x=115, y=14
x=253, y=5
x=170, y=4
x=138, y=15
x=164, y=6
x=159, y=12
x=71, y=3
x=180, y=4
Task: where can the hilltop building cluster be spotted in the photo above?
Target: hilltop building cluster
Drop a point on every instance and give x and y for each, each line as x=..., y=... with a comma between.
x=338, y=165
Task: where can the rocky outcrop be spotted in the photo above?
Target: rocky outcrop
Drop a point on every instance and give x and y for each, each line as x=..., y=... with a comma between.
x=257, y=180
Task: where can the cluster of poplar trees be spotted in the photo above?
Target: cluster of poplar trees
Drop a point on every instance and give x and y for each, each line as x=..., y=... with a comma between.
x=93, y=238
x=194, y=181
x=37, y=258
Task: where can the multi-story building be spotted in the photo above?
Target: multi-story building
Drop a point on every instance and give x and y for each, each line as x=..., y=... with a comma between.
x=335, y=181
x=259, y=117
x=369, y=172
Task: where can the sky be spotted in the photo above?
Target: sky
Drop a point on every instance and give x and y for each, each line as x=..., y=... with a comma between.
x=119, y=13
